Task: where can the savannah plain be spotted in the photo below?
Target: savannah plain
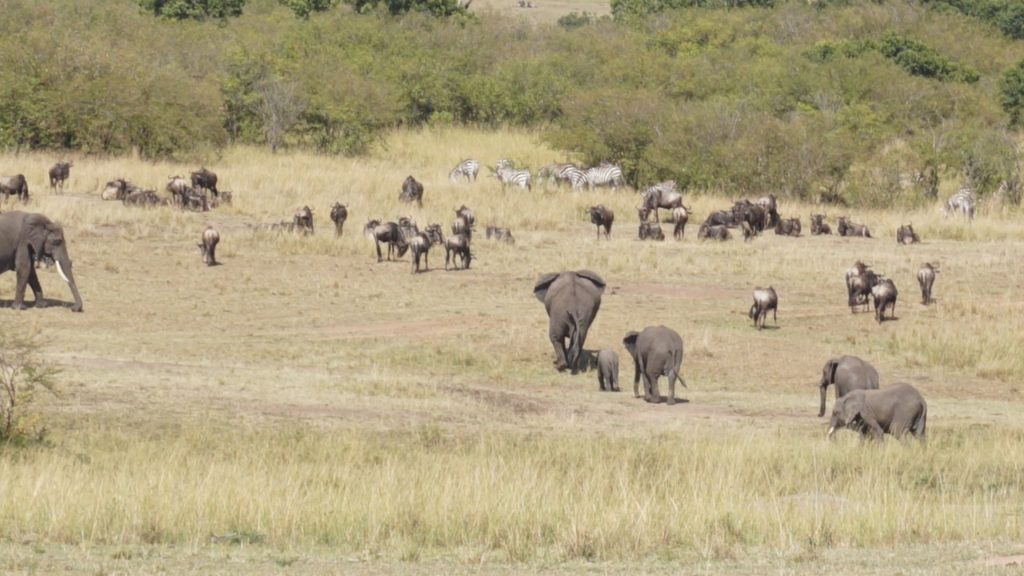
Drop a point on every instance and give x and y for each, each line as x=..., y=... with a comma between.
x=302, y=409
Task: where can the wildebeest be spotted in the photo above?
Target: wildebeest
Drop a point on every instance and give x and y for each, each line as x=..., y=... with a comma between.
x=847, y=228
x=680, y=215
x=204, y=179
x=464, y=220
x=58, y=174
x=420, y=246
x=388, y=233
x=178, y=188
x=771, y=208
x=339, y=213
x=765, y=299
x=407, y=226
x=464, y=212
x=500, y=234
x=752, y=214
x=412, y=191
x=720, y=218
x=194, y=200
x=748, y=231
x=661, y=195
x=14, y=186
x=925, y=279
x=457, y=245
x=602, y=217
x=788, y=227
x=819, y=226
x=859, y=282
x=884, y=294
x=208, y=245
x=118, y=189
x=905, y=235
x=303, y=220
x=142, y=198
x=650, y=231
x=713, y=232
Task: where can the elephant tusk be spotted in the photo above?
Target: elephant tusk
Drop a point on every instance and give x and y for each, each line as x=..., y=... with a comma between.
x=60, y=269
x=831, y=431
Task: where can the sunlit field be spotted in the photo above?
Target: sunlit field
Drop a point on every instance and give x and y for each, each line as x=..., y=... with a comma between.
x=304, y=409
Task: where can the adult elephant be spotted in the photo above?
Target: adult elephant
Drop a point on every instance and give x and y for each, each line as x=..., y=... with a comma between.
x=847, y=373
x=898, y=410
x=657, y=351
x=572, y=300
x=25, y=240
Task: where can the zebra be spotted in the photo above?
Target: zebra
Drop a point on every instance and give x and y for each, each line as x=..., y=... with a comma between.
x=509, y=175
x=605, y=174
x=963, y=202
x=467, y=169
x=564, y=173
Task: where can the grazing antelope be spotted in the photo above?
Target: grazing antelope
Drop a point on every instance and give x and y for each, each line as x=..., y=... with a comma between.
x=388, y=233
x=58, y=174
x=765, y=299
x=457, y=245
x=602, y=217
x=339, y=213
x=925, y=278
x=884, y=294
x=420, y=246
x=208, y=245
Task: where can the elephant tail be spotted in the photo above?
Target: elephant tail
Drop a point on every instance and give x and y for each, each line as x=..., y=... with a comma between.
x=678, y=361
x=574, y=343
x=922, y=421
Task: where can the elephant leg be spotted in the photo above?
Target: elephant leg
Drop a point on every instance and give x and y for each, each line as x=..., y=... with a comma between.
x=37, y=289
x=636, y=380
x=559, y=344
x=672, y=375
x=23, y=274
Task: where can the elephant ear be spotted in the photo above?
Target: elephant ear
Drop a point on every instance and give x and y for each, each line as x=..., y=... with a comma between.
x=540, y=289
x=829, y=373
x=630, y=342
x=852, y=409
x=592, y=277
x=35, y=229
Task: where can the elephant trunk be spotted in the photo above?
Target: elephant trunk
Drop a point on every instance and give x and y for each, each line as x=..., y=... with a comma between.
x=824, y=390
x=64, y=268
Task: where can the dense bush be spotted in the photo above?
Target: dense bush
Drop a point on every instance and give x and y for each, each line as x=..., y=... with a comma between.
x=1011, y=89
x=818, y=102
x=193, y=9
x=1006, y=15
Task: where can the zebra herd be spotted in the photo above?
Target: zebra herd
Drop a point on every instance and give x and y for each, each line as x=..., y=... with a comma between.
x=604, y=174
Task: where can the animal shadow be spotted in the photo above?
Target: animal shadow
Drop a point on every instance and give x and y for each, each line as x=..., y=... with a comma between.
x=47, y=303
x=664, y=400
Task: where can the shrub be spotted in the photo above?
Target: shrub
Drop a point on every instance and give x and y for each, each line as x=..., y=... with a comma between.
x=22, y=375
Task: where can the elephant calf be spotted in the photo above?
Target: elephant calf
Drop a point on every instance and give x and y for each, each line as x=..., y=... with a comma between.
x=847, y=373
x=657, y=351
x=896, y=410
x=608, y=370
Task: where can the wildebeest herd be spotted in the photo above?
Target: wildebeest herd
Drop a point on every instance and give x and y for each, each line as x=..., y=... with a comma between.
x=571, y=298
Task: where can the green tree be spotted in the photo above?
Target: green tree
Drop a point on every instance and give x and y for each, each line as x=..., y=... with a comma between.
x=194, y=9
x=303, y=8
x=441, y=8
x=1011, y=91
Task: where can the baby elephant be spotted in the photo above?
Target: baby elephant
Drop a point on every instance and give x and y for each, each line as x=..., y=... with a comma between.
x=765, y=299
x=896, y=410
x=209, y=245
x=925, y=278
x=657, y=351
x=608, y=370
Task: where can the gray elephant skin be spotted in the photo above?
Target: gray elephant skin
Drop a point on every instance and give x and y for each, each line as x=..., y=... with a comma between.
x=608, y=370
x=898, y=410
x=847, y=373
x=572, y=300
x=27, y=239
x=657, y=351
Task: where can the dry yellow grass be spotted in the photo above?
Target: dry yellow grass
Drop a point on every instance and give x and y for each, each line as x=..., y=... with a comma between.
x=543, y=10
x=304, y=402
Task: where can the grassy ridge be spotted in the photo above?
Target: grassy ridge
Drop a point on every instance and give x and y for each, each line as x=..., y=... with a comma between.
x=302, y=395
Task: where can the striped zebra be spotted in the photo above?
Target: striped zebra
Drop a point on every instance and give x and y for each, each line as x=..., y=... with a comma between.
x=605, y=174
x=962, y=202
x=467, y=169
x=511, y=176
x=569, y=174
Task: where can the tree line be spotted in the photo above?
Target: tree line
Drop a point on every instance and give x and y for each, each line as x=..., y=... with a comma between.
x=861, y=102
